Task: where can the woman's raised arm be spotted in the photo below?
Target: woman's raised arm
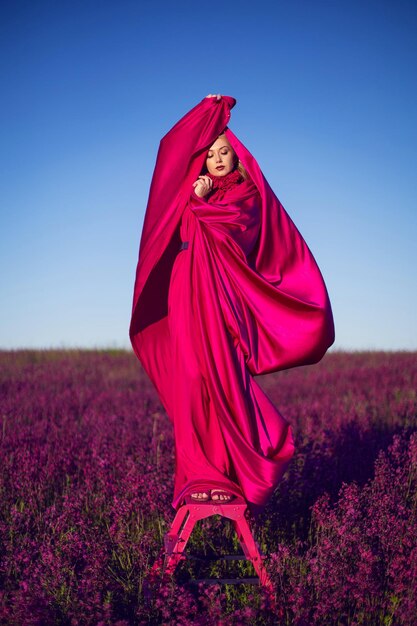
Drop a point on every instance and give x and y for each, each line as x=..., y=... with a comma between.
x=173, y=176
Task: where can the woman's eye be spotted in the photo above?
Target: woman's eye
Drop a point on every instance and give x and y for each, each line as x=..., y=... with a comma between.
x=224, y=152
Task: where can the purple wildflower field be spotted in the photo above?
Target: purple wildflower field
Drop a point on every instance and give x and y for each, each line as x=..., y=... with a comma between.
x=86, y=484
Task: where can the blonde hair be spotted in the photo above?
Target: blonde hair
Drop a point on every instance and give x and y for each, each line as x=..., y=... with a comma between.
x=239, y=166
x=242, y=169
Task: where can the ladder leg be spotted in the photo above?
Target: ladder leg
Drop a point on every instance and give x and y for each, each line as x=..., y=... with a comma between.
x=171, y=539
x=175, y=542
x=178, y=519
x=250, y=550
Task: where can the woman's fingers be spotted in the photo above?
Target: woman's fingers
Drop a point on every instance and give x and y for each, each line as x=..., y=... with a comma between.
x=202, y=185
x=205, y=180
x=214, y=95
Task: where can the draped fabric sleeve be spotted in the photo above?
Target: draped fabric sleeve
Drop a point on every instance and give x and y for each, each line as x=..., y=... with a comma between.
x=178, y=164
x=179, y=161
x=291, y=320
x=280, y=318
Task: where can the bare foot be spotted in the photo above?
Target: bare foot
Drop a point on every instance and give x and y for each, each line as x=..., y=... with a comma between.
x=219, y=495
x=201, y=496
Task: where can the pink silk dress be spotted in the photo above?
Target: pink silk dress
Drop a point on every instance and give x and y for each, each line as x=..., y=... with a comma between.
x=227, y=432
x=245, y=298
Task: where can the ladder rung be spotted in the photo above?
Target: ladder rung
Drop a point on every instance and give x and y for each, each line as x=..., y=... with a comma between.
x=215, y=557
x=224, y=581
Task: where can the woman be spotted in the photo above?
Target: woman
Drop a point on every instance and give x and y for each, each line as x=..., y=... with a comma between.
x=226, y=289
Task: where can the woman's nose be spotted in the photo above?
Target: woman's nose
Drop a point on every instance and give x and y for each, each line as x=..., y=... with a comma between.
x=219, y=158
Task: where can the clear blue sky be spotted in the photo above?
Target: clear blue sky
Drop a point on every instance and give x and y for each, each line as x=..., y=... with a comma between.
x=327, y=104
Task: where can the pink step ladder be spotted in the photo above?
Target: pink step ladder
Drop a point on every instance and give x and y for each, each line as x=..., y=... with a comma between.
x=185, y=519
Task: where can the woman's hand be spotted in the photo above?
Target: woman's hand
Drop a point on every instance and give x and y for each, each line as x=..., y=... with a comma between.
x=213, y=95
x=202, y=186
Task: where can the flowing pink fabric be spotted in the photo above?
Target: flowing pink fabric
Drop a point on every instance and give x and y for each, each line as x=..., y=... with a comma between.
x=245, y=298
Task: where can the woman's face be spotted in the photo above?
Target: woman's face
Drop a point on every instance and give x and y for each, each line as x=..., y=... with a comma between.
x=221, y=158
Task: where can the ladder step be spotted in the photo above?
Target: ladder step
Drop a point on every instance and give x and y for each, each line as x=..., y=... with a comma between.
x=223, y=581
x=215, y=557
